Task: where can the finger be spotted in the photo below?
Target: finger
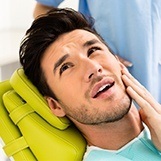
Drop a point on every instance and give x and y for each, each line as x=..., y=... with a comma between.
x=125, y=62
x=143, y=104
x=129, y=80
x=141, y=91
x=126, y=72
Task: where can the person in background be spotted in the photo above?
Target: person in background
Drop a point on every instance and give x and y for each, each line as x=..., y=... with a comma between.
x=82, y=79
x=132, y=29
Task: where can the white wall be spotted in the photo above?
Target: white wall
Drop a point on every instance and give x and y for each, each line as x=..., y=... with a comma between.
x=15, y=18
x=15, y=13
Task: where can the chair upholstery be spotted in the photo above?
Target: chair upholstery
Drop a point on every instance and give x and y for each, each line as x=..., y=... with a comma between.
x=29, y=129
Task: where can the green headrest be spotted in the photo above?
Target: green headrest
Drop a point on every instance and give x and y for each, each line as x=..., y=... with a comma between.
x=28, y=136
x=32, y=96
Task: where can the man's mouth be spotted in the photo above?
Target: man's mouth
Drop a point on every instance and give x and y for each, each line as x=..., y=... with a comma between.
x=102, y=88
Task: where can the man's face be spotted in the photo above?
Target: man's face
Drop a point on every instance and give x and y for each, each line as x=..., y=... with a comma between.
x=86, y=78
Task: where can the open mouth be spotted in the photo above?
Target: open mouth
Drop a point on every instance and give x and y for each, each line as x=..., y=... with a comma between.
x=102, y=89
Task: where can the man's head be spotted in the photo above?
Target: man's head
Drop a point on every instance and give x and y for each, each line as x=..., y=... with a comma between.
x=44, y=31
x=74, y=69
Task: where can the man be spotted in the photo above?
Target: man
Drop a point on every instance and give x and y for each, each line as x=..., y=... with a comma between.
x=80, y=78
x=132, y=29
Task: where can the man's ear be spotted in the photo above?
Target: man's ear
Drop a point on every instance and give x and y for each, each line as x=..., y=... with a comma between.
x=55, y=107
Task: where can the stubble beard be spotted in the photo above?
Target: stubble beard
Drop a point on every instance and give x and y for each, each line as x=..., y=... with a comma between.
x=120, y=111
x=116, y=112
x=81, y=115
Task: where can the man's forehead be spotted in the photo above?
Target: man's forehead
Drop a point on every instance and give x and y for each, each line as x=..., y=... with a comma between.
x=79, y=35
x=71, y=39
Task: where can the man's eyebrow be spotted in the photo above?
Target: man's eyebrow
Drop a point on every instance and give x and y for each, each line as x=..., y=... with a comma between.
x=90, y=42
x=60, y=61
x=63, y=58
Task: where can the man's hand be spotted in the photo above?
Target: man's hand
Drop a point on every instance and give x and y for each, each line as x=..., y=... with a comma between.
x=150, y=110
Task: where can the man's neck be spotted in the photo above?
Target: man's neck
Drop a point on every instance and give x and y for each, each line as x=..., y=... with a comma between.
x=113, y=136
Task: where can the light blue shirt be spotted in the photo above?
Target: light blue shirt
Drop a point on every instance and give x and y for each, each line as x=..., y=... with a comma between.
x=132, y=29
x=139, y=149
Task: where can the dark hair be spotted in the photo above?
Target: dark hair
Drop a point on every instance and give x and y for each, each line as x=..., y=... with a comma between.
x=44, y=31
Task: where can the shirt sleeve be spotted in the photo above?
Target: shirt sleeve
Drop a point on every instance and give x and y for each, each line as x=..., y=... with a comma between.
x=52, y=3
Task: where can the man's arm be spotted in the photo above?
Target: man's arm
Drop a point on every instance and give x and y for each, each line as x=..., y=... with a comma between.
x=150, y=110
x=40, y=9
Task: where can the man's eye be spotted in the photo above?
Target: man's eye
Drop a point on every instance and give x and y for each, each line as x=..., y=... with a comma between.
x=93, y=49
x=64, y=67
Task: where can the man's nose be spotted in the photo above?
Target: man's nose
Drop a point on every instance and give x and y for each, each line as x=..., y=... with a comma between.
x=93, y=69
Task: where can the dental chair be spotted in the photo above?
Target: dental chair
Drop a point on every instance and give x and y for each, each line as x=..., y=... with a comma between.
x=28, y=128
